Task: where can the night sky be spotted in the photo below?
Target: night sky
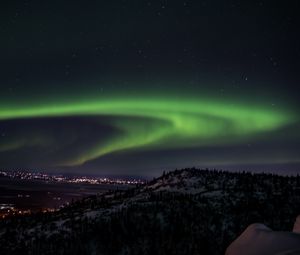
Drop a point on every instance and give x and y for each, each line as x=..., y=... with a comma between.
x=137, y=87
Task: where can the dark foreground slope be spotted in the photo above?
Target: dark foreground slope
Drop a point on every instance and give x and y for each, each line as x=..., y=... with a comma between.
x=183, y=212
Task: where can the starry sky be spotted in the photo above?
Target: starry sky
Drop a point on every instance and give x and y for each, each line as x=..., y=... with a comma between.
x=138, y=87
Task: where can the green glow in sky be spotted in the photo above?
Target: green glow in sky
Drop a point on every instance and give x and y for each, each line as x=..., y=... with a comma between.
x=152, y=122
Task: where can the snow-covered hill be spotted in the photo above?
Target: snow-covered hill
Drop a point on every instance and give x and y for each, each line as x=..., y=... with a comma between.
x=186, y=211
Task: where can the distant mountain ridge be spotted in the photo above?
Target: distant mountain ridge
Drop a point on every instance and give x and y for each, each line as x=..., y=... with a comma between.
x=188, y=211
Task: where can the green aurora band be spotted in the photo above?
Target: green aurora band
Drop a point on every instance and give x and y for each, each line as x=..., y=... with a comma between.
x=152, y=122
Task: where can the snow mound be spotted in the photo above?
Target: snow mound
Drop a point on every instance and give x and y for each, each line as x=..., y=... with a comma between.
x=258, y=239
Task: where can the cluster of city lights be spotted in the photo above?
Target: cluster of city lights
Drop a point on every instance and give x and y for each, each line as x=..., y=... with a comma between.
x=32, y=175
x=10, y=210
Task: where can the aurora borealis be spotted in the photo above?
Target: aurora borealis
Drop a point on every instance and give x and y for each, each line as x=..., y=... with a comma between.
x=161, y=122
x=77, y=97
